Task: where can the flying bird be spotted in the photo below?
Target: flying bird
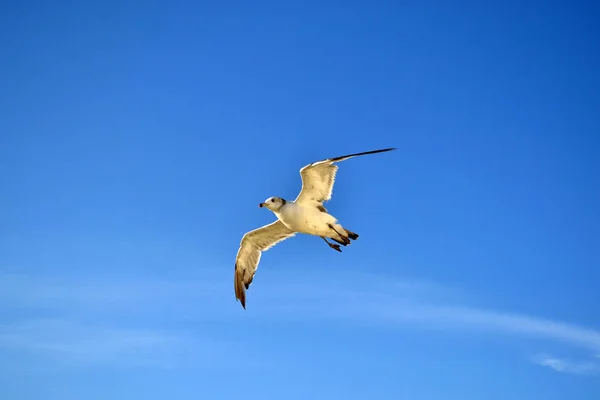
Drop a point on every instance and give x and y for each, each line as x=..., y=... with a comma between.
x=306, y=214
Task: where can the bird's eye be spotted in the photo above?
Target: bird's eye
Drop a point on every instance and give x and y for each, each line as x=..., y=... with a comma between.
x=272, y=200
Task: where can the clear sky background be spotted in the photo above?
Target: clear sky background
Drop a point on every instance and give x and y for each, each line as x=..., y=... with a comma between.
x=137, y=139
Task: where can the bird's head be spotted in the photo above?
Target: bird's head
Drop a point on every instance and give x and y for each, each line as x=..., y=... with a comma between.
x=273, y=203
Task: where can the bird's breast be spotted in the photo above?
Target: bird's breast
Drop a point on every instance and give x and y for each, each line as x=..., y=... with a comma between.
x=301, y=219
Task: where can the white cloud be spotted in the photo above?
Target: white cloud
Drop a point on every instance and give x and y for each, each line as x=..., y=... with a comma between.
x=74, y=343
x=280, y=295
x=473, y=318
x=417, y=314
x=63, y=292
x=567, y=366
x=364, y=297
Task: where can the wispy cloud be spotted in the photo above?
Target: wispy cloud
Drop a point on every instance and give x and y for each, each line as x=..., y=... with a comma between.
x=59, y=292
x=410, y=303
x=567, y=366
x=473, y=318
x=98, y=315
x=72, y=343
x=463, y=318
x=118, y=322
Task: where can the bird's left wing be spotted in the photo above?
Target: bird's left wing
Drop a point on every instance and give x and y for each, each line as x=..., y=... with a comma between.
x=318, y=178
x=252, y=245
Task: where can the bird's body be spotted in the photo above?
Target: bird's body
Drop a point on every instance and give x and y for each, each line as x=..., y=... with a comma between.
x=306, y=214
x=308, y=219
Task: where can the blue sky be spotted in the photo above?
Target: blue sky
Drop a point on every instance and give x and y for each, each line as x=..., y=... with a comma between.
x=136, y=142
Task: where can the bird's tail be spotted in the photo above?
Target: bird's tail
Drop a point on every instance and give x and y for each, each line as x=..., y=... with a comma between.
x=341, y=234
x=351, y=234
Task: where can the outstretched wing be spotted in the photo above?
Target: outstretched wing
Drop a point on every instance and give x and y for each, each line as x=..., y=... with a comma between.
x=318, y=178
x=252, y=245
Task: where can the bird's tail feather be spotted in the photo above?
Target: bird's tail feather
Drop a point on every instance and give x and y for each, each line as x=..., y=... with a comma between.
x=351, y=234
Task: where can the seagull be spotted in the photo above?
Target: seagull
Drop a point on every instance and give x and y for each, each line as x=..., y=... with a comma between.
x=306, y=214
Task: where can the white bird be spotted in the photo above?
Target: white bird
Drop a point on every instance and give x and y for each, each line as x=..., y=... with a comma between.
x=306, y=215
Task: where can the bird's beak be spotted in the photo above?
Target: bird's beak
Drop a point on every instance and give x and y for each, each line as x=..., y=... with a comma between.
x=261, y=205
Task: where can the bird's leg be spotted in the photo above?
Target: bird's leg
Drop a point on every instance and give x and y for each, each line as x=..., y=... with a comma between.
x=333, y=246
x=345, y=238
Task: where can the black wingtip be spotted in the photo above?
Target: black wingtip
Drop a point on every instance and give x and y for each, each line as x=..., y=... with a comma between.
x=242, y=300
x=364, y=153
x=238, y=284
x=378, y=151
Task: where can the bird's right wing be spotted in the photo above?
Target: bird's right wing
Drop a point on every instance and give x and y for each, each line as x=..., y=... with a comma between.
x=252, y=245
